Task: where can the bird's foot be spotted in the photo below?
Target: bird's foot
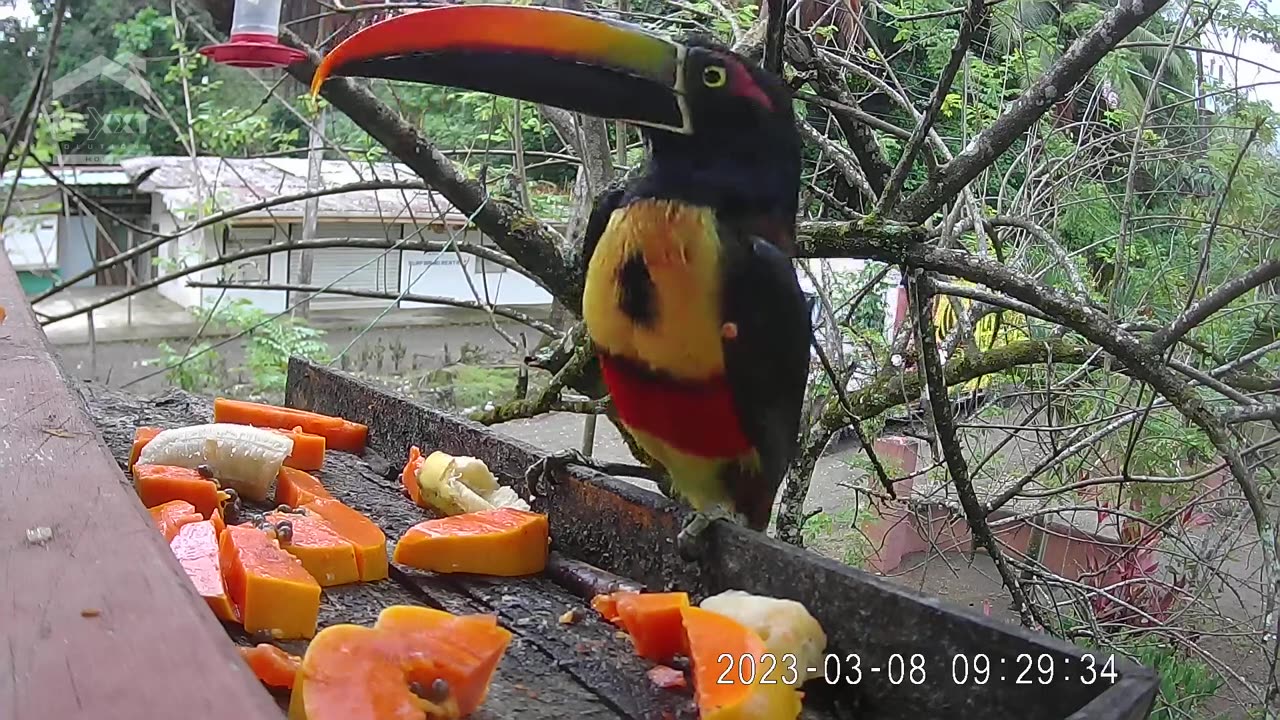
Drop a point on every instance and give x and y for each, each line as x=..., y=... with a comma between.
x=540, y=474
x=688, y=542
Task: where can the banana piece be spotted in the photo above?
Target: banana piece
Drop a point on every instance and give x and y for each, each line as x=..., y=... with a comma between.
x=475, y=475
x=786, y=627
x=440, y=482
x=242, y=457
x=506, y=497
x=460, y=484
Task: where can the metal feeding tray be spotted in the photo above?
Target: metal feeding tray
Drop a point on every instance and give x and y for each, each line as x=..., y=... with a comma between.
x=893, y=654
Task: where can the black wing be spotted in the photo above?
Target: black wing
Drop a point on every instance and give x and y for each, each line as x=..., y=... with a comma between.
x=767, y=364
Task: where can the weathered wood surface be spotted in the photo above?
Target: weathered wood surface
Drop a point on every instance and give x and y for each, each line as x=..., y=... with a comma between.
x=551, y=670
x=631, y=532
x=99, y=621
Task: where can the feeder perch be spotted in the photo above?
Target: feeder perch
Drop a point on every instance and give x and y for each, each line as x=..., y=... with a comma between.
x=255, y=38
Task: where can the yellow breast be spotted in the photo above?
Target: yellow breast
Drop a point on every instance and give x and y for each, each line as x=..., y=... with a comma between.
x=681, y=250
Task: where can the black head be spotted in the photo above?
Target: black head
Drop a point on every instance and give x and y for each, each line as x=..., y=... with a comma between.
x=741, y=146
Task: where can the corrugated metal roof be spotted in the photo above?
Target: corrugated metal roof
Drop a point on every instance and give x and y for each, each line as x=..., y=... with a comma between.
x=236, y=182
x=70, y=175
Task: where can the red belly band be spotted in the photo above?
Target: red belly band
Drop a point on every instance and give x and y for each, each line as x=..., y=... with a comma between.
x=695, y=417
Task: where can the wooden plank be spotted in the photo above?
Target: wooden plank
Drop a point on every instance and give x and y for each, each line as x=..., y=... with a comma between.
x=629, y=531
x=99, y=621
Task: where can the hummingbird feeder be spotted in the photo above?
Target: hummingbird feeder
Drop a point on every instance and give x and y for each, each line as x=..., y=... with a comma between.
x=255, y=38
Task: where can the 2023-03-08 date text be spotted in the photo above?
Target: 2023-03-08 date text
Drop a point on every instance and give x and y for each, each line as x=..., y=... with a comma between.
x=918, y=669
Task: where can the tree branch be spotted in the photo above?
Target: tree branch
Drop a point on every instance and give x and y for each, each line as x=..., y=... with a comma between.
x=1035, y=101
x=547, y=397
x=1212, y=303
x=889, y=198
x=526, y=239
x=489, y=254
x=499, y=310
x=919, y=287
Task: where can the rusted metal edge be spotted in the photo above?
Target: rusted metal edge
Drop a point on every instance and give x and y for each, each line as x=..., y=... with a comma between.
x=98, y=618
x=630, y=531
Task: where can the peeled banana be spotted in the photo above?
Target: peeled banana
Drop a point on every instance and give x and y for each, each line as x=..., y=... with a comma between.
x=457, y=485
x=242, y=457
x=786, y=627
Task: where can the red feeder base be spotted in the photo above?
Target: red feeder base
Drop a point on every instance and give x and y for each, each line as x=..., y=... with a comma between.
x=253, y=50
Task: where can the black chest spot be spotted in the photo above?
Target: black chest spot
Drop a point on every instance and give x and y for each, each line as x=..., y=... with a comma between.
x=636, y=296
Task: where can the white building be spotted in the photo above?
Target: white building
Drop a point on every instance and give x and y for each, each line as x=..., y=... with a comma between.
x=45, y=239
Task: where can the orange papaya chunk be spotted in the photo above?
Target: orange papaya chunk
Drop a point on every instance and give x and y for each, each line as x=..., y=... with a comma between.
x=367, y=538
x=329, y=557
x=196, y=547
x=505, y=541
x=409, y=478
x=141, y=436
x=272, y=665
x=654, y=623
x=351, y=672
x=713, y=641
x=347, y=673
x=308, y=449
x=159, y=484
x=218, y=523
x=172, y=515
x=339, y=433
x=607, y=605
x=296, y=488
x=464, y=649
x=269, y=587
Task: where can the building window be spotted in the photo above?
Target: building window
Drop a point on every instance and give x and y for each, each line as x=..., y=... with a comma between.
x=256, y=269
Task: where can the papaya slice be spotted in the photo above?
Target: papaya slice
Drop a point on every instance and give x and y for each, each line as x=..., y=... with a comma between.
x=159, y=484
x=338, y=433
x=172, y=515
x=654, y=622
x=367, y=538
x=196, y=547
x=296, y=488
x=218, y=523
x=409, y=478
x=273, y=666
x=505, y=541
x=270, y=588
x=329, y=557
x=748, y=690
x=141, y=436
x=607, y=605
x=465, y=649
x=308, y=449
x=413, y=662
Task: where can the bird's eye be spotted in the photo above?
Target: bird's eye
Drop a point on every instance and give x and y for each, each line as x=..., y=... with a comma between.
x=713, y=76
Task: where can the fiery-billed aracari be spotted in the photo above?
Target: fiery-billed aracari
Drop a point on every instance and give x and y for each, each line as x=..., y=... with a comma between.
x=701, y=328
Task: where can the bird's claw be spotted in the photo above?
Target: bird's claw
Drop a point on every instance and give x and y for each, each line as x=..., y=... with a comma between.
x=688, y=542
x=540, y=474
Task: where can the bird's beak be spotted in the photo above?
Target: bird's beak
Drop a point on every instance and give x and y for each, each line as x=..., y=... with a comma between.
x=554, y=57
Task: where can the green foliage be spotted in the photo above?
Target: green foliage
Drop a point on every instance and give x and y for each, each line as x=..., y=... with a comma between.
x=1186, y=684
x=468, y=387
x=841, y=534
x=268, y=345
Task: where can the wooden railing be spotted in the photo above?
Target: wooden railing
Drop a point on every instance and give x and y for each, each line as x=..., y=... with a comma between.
x=97, y=619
